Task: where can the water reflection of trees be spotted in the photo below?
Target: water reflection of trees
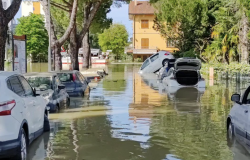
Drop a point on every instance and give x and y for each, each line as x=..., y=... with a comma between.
x=197, y=136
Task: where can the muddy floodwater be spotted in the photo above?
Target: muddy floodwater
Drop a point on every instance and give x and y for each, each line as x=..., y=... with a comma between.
x=129, y=117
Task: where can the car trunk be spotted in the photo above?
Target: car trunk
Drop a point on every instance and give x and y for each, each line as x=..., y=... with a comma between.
x=187, y=77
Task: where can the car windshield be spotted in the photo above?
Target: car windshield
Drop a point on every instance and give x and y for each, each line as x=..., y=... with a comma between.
x=65, y=77
x=44, y=83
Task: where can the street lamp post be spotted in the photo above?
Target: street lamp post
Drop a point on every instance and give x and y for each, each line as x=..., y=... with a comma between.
x=49, y=49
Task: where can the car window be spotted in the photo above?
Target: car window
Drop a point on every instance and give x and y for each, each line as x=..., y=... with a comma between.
x=80, y=77
x=145, y=64
x=42, y=83
x=65, y=77
x=16, y=86
x=56, y=83
x=154, y=57
x=26, y=86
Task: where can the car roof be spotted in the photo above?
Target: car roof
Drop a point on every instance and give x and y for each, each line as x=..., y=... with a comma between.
x=65, y=71
x=8, y=73
x=39, y=74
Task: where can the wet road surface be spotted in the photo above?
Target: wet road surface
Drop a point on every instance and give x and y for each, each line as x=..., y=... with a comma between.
x=129, y=117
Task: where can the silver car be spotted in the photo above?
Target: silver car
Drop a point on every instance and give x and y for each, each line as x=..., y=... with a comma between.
x=238, y=121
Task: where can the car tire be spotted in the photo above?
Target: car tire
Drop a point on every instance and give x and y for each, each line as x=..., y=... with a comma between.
x=22, y=155
x=230, y=134
x=68, y=102
x=164, y=62
x=46, y=125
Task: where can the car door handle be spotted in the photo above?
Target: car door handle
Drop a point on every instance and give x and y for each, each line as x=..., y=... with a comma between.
x=246, y=111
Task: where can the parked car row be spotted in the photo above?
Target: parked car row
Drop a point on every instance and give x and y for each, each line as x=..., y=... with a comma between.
x=25, y=101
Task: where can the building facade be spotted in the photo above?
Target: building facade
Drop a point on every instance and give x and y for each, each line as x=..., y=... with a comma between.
x=146, y=40
x=31, y=7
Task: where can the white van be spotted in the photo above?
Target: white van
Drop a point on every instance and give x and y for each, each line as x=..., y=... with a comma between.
x=155, y=62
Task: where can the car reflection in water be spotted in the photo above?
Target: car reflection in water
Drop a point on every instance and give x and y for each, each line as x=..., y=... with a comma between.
x=185, y=99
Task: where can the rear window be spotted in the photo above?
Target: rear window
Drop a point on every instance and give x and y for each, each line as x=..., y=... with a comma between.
x=154, y=57
x=44, y=83
x=145, y=64
x=66, y=77
x=16, y=86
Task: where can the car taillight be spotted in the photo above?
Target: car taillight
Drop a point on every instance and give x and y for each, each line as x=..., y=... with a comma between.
x=166, y=54
x=74, y=77
x=6, y=107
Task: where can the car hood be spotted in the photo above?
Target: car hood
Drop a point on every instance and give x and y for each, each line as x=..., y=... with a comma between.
x=191, y=64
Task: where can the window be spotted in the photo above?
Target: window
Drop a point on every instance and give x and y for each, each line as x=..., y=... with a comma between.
x=145, y=64
x=144, y=24
x=16, y=86
x=26, y=86
x=65, y=77
x=43, y=83
x=154, y=57
x=144, y=43
x=171, y=43
x=81, y=78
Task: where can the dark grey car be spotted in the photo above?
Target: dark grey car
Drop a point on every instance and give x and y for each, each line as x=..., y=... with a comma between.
x=76, y=84
x=50, y=88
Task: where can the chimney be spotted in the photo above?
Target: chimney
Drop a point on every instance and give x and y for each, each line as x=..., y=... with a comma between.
x=135, y=2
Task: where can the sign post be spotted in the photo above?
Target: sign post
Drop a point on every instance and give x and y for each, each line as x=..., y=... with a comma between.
x=19, y=54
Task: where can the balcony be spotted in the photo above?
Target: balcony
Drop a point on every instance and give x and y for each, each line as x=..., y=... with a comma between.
x=145, y=50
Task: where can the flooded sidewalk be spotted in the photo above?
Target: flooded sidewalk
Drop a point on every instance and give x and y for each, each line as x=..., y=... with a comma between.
x=133, y=117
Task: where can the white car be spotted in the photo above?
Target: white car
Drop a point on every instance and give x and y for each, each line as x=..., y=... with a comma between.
x=23, y=115
x=155, y=62
x=186, y=73
x=238, y=121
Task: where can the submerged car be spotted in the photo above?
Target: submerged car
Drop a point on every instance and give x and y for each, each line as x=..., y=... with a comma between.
x=238, y=121
x=185, y=100
x=76, y=84
x=23, y=115
x=186, y=73
x=155, y=62
x=50, y=88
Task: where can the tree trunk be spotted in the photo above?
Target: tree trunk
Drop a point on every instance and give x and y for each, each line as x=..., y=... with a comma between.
x=243, y=39
x=58, y=57
x=86, y=51
x=3, y=37
x=73, y=50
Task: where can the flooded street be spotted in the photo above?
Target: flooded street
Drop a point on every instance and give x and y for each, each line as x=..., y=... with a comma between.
x=129, y=117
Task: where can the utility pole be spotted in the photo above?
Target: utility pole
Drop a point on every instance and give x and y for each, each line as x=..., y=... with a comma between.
x=49, y=49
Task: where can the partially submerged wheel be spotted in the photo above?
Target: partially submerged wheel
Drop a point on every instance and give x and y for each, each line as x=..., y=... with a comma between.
x=68, y=102
x=46, y=125
x=22, y=154
x=164, y=62
x=230, y=134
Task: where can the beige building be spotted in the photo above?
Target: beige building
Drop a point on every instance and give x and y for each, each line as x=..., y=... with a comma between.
x=146, y=40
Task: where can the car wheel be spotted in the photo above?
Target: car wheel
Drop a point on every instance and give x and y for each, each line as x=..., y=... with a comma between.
x=230, y=134
x=68, y=102
x=46, y=125
x=22, y=155
x=164, y=62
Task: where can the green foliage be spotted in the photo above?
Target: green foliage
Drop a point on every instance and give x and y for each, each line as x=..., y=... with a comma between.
x=223, y=67
x=210, y=27
x=33, y=27
x=115, y=38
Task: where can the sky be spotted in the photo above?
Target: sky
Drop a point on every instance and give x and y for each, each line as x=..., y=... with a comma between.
x=119, y=15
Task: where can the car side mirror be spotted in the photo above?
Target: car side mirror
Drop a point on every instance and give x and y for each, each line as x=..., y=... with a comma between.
x=235, y=98
x=35, y=92
x=61, y=86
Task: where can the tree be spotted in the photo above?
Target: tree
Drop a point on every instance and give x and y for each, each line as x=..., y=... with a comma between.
x=5, y=17
x=33, y=27
x=57, y=43
x=115, y=38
